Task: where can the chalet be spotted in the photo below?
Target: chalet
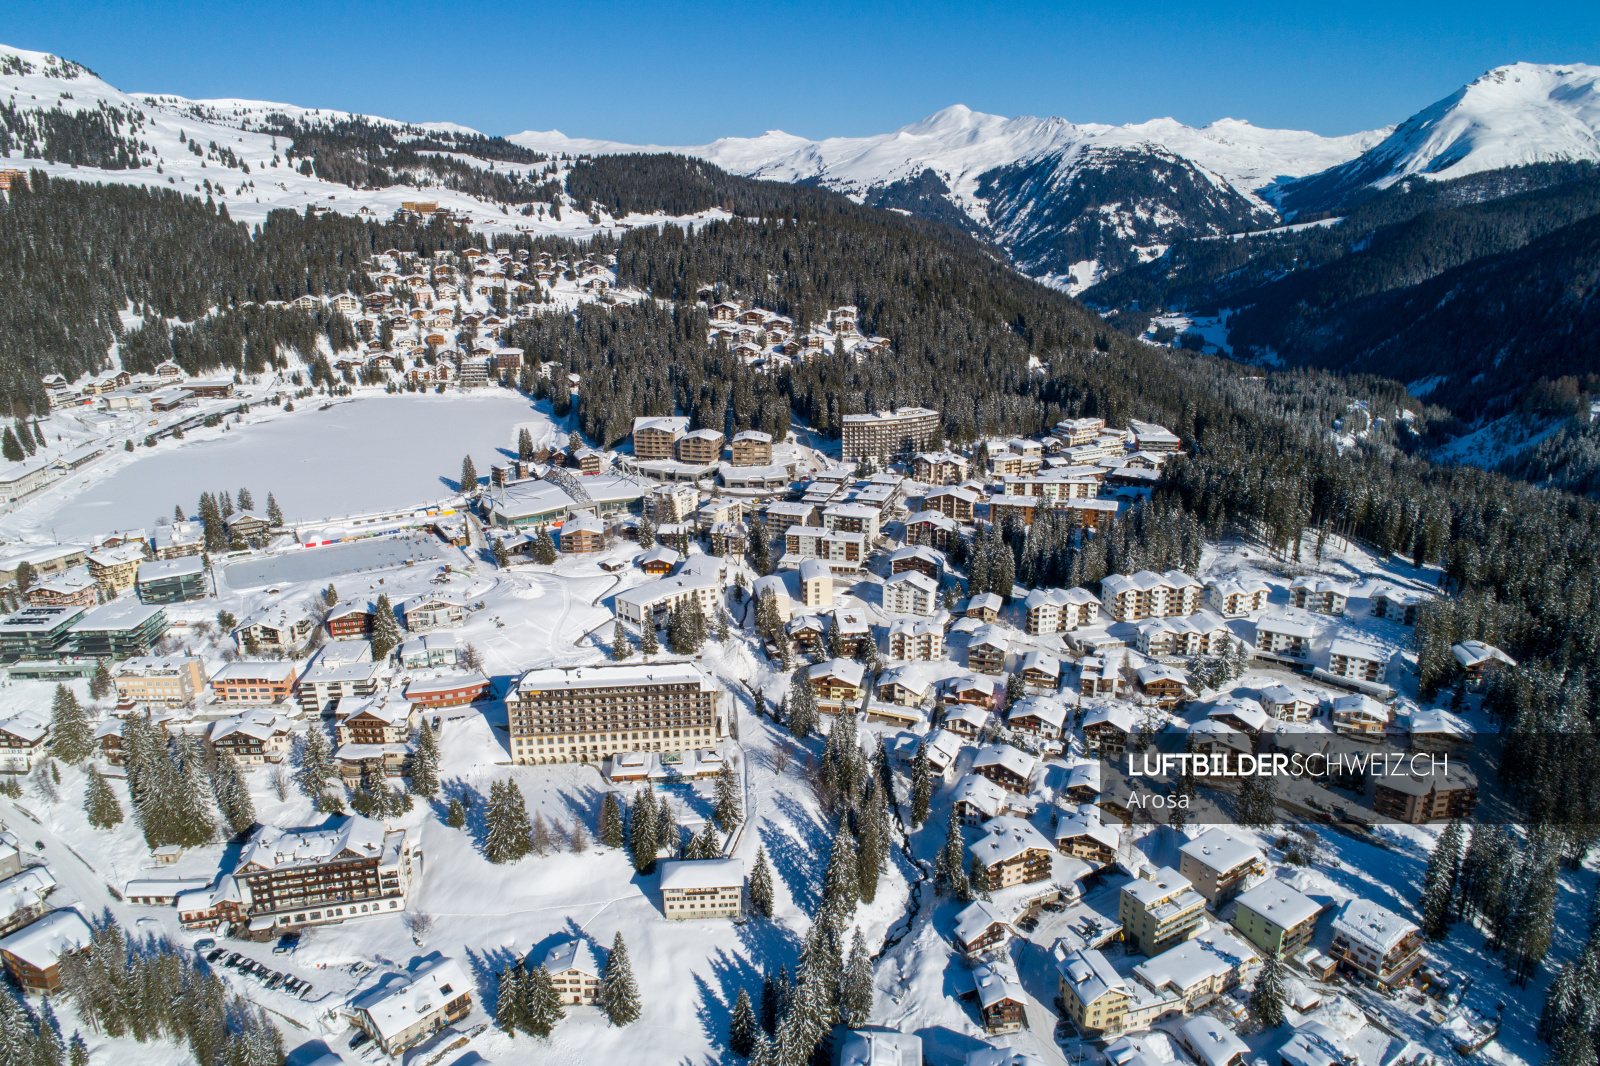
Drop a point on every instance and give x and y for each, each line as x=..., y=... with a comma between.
x=274, y=629
x=24, y=740
x=836, y=682
x=73, y=588
x=1010, y=768
x=1038, y=717
x=1479, y=661
x=1236, y=599
x=246, y=526
x=659, y=561
x=999, y=995
x=253, y=738
x=1041, y=671
x=1240, y=712
x=939, y=468
x=925, y=560
x=988, y=649
x=404, y=1012
x=1289, y=704
x=901, y=686
x=978, y=799
x=23, y=892
x=1101, y=675
x=1166, y=685
x=430, y=611
x=985, y=607
x=1013, y=852
x=854, y=630
x=351, y=619
x=1083, y=783
x=972, y=691
x=33, y=954
x=1107, y=730
x=981, y=928
x=1083, y=835
x=1360, y=717
x=575, y=971
x=966, y=721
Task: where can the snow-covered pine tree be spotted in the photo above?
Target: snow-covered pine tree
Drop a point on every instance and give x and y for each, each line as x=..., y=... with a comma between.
x=839, y=884
x=855, y=991
x=870, y=844
x=425, y=762
x=502, y=557
x=761, y=884
x=192, y=825
x=728, y=812
x=541, y=1003
x=802, y=706
x=743, y=1026
x=1271, y=992
x=385, y=629
x=648, y=643
x=100, y=803
x=1439, y=882
x=668, y=832
x=507, y=836
x=274, y=512
x=469, y=475
x=647, y=533
x=456, y=814
x=619, y=995
x=71, y=736
x=525, y=445
x=921, y=785
x=612, y=832
x=238, y=810
x=509, y=1000
x=621, y=646
x=1574, y=1047
x=643, y=823
x=1531, y=924
x=978, y=879
x=247, y=502
x=544, y=549
x=316, y=763
x=100, y=684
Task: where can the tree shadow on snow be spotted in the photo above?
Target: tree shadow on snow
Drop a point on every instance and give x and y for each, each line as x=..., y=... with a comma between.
x=799, y=856
x=486, y=967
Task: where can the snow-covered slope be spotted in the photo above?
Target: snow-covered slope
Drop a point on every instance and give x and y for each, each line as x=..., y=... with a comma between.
x=1511, y=116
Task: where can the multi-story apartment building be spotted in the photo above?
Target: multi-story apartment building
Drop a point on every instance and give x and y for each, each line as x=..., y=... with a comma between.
x=752, y=448
x=1078, y=431
x=701, y=447
x=1282, y=635
x=172, y=580
x=119, y=629
x=1146, y=594
x=953, y=502
x=574, y=970
x=654, y=437
x=1319, y=595
x=1160, y=909
x=316, y=875
x=702, y=888
x=1220, y=864
x=1201, y=633
x=987, y=649
x=1398, y=605
x=922, y=640
x=404, y=1012
x=73, y=588
x=852, y=518
x=651, y=602
x=1236, y=599
x=911, y=592
x=38, y=632
x=1060, y=610
x=250, y=681
x=171, y=680
x=845, y=553
x=939, y=468
x=1100, y=1001
x=586, y=713
x=1277, y=918
x=115, y=569
x=1376, y=942
x=1361, y=662
x=883, y=435
x=1418, y=799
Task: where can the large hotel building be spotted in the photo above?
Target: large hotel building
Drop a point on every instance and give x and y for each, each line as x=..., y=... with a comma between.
x=586, y=713
x=882, y=435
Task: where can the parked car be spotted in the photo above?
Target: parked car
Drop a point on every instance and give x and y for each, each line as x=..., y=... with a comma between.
x=204, y=944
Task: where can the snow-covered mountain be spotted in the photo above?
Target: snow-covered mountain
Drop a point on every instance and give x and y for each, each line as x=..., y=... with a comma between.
x=1511, y=116
x=1069, y=202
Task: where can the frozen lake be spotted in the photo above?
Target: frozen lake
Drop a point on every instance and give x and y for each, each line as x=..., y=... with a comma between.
x=366, y=454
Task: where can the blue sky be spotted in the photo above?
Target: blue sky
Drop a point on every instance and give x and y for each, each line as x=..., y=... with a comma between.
x=686, y=73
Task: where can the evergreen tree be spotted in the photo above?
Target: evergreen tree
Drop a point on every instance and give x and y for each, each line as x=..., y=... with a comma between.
x=921, y=785
x=1270, y=993
x=743, y=1026
x=316, y=763
x=508, y=1002
x=855, y=994
x=619, y=995
x=1256, y=805
x=771, y=1003
x=540, y=838
x=612, y=832
x=274, y=512
x=101, y=685
x=950, y=868
x=668, y=832
x=456, y=815
x=78, y=1052
x=100, y=803
x=1575, y=1047
x=525, y=445
x=508, y=835
x=728, y=812
x=238, y=810
x=646, y=533
x=71, y=736
x=643, y=826
x=839, y=884
x=1530, y=925
x=10, y=447
x=246, y=501
x=761, y=885
x=469, y=476
x=1439, y=883
x=48, y=1048
x=621, y=647
x=541, y=1003
x=544, y=550
x=502, y=557
x=802, y=702
x=647, y=642
x=978, y=879
x=385, y=629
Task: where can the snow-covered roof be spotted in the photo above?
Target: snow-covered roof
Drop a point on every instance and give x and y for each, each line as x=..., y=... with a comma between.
x=1352, y=649
x=914, y=577
x=397, y=1006
x=978, y=791
x=1279, y=903
x=1317, y=1044
x=1365, y=922
x=41, y=944
x=1470, y=653
x=995, y=981
x=607, y=676
x=1118, y=715
x=1089, y=975
x=1086, y=822
x=1205, y=957
x=253, y=669
x=158, y=569
x=1318, y=585
x=1164, y=883
x=272, y=848
x=20, y=891
x=682, y=874
x=575, y=954
x=1289, y=627
x=977, y=918
x=1043, y=662
x=1005, y=838
x=1213, y=1043
x=1049, y=711
x=1014, y=760
x=847, y=670
x=879, y=1048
